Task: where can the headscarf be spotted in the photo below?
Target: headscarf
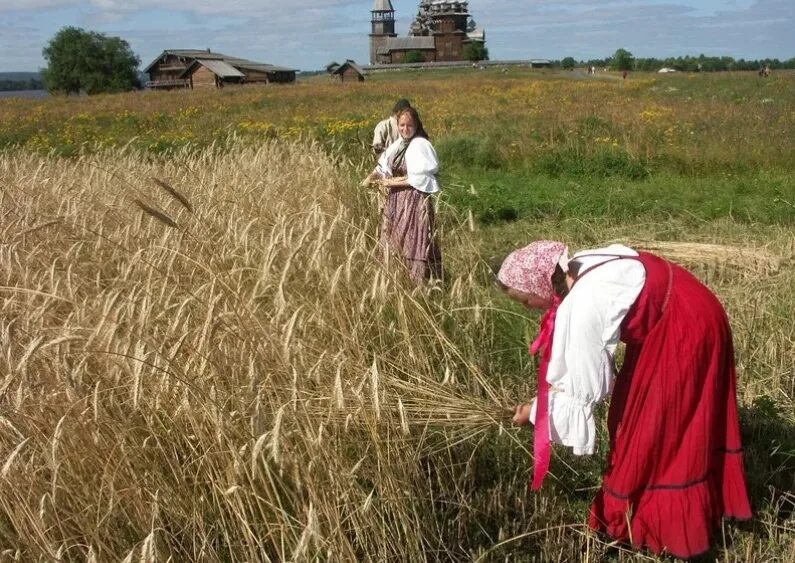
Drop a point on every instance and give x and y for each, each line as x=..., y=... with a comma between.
x=398, y=159
x=530, y=269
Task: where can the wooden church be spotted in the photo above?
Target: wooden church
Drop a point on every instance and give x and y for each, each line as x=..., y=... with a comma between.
x=439, y=32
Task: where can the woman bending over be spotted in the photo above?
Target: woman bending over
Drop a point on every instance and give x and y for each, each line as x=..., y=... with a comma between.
x=675, y=465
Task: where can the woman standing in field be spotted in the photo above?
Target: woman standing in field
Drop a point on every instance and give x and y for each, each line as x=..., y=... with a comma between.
x=408, y=168
x=675, y=465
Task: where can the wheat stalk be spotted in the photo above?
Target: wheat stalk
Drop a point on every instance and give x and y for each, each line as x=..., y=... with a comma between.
x=156, y=213
x=181, y=198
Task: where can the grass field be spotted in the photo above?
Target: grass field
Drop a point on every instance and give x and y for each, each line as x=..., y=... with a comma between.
x=202, y=358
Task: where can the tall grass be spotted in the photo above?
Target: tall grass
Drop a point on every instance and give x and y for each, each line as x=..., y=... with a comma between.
x=207, y=359
x=214, y=365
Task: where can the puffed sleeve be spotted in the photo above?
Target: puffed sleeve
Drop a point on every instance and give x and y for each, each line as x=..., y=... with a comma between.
x=587, y=329
x=422, y=165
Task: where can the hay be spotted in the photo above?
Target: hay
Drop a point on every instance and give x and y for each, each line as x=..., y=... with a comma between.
x=750, y=258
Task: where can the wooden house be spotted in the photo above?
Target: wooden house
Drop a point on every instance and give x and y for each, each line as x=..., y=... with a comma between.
x=165, y=72
x=192, y=68
x=348, y=71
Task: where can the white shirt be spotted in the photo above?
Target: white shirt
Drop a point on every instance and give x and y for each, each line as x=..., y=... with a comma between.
x=587, y=329
x=386, y=133
x=422, y=164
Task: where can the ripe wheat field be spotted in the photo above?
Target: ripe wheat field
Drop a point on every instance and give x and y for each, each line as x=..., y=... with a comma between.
x=204, y=358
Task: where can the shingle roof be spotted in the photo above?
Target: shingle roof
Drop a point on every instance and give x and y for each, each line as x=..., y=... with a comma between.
x=348, y=64
x=188, y=53
x=219, y=68
x=252, y=65
x=383, y=6
x=421, y=42
x=203, y=53
x=207, y=55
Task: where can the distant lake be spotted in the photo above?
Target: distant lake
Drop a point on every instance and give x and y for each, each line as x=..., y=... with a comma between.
x=25, y=94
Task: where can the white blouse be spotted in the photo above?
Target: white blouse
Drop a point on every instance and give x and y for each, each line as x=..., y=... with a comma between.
x=422, y=164
x=587, y=329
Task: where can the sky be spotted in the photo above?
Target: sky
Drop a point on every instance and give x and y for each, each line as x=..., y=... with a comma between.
x=307, y=34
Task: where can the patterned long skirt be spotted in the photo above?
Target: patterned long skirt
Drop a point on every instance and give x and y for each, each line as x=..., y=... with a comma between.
x=407, y=231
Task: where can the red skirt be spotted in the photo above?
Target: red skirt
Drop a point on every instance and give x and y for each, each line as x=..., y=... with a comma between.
x=675, y=466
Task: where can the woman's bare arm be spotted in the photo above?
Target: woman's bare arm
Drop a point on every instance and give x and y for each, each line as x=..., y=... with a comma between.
x=400, y=182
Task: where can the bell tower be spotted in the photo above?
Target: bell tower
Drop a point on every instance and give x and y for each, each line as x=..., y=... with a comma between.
x=383, y=27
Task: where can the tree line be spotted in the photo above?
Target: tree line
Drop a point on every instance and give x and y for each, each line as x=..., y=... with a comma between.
x=80, y=61
x=624, y=60
x=7, y=85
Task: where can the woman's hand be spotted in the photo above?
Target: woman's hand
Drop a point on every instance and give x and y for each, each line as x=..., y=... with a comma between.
x=394, y=182
x=371, y=179
x=521, y=415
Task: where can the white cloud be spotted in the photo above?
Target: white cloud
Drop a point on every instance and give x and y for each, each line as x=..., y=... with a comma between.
x=307, y=33
x=596, y=29
x=208, y=7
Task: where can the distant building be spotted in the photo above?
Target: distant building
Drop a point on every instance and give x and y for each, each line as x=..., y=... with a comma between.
x=382, y=27
x=192, y=68
x=439, y=32
x=217, y=73
x=396, y=50
x=348, y=71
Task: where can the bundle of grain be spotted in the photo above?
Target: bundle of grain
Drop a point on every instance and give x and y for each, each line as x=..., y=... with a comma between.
x=756, y=259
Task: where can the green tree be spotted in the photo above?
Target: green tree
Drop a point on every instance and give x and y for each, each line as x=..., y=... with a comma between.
x=90, y=62
x=568, y=63
x=475, y=52
x=623, y=60
x=414, y=57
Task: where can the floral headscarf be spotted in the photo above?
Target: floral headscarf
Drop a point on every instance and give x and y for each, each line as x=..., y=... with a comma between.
x=530, y=269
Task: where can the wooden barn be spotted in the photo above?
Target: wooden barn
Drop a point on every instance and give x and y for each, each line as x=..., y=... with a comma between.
x=263, y=72
x=204, y=73
x=193, y=68
x=348, y=71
